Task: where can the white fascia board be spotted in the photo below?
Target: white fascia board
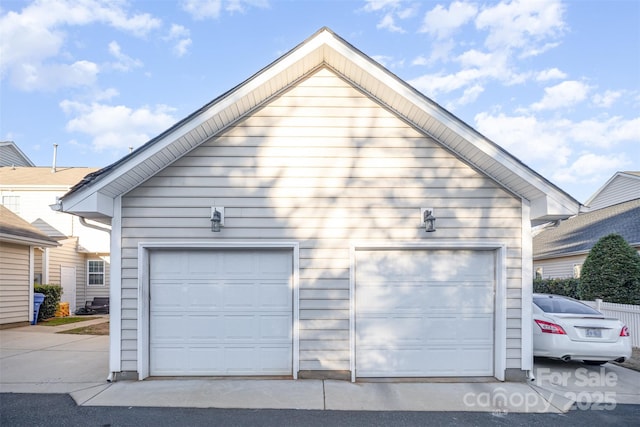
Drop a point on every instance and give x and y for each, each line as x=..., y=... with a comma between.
x=26, y=241
x=561, y=202
x=86, y=195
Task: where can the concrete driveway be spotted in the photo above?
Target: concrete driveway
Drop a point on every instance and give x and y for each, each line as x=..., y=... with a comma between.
x=36, y=359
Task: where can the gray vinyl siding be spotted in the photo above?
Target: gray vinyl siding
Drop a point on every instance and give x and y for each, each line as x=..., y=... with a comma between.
x=67, y=255
x=325, y=166
x=14, y=283
x=619, y=190
x=558, y=268
x=10, y=157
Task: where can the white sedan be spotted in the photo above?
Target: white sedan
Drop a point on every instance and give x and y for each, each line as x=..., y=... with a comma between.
x=565, y=328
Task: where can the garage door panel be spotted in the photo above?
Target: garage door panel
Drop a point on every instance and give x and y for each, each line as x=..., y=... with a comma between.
x=476, y=329
x=275, y=328
x=388, y=330
x=405, y=362
x=219, y=313
x=381, y=296
x=419, y=311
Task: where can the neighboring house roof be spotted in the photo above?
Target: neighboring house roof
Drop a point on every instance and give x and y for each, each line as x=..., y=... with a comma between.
x=14, y=229
x=48, y=229
x=578, y=234
x=42, y=176
x=11, y=155
x=621, y=187
x=93, y=196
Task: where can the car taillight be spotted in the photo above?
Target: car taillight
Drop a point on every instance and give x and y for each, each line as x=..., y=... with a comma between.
x=550, y=328
x=624, y=332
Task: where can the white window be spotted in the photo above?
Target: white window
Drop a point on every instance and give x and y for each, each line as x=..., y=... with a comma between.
x=539, y=273
x=576, y=270
x=12, y=203
x=95, y=269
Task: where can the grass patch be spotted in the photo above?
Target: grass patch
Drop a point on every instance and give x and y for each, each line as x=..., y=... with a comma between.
x=97, y=329
x=57, y=321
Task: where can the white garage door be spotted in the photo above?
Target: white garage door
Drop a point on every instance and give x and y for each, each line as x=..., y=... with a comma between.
x=221, y=312
x=424, y=313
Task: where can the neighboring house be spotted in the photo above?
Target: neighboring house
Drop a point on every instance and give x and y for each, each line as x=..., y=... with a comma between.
x=18, y=242
x=11, y=155
x=561, y=248
x=320, y=170
x=621, y=187
x=81, y=263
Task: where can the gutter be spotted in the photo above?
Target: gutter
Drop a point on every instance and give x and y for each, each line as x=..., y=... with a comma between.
x=84, y=222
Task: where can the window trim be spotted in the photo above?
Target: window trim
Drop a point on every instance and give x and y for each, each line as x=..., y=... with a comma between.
x=89, y=273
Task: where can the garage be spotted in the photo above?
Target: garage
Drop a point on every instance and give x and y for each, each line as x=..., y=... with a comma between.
x=220, y=312
x=424, y=313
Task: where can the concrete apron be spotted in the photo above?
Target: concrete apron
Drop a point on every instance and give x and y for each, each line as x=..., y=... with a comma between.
x=320, y=395
x=35, y=359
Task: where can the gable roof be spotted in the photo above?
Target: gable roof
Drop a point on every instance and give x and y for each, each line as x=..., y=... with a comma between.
x=577, y=235
x=93, y=197
x=14, y=229
x=630, y=176
x=11, y=155
x=42, y=176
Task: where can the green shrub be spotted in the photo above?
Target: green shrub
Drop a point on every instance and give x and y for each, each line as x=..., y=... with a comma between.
x=52, y=294
x=611, y=272
x=567, y=287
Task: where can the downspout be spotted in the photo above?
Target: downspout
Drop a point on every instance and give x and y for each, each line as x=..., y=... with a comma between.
x=84, y=222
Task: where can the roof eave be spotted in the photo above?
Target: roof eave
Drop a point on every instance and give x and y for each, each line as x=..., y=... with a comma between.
x=94, y=197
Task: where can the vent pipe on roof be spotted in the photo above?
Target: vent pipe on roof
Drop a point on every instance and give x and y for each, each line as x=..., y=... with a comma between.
x=55, y=154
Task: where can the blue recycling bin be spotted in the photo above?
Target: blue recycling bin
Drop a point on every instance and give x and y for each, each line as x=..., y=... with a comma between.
x=37, y=302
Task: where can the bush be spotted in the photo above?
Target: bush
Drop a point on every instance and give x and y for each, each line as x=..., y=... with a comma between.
x=611, y=272
x=52, y=295
x=566, y=287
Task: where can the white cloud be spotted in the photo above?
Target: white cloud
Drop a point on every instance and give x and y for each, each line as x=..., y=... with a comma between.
x=211, y=9
x=476, y=68
x=388, y=61
x=392, y=9
x=203, y=9
x=606, y=133
x=117, y=127
x=442, y=23
x=550, y=74
x=568, y=152
x=520, y=23
x=377, y=5
x=241, y=5
x=182, y=38
x=31, y=40
x=565, y=94
x=527, y=138
x=607, y=99
x=388, y=23
x=124, y=62
x=591, y=168
x=50, y=77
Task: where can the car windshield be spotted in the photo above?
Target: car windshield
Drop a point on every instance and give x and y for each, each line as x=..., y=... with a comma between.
x=550, y=304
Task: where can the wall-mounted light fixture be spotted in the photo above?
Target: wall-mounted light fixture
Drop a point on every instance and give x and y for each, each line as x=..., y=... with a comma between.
x=217, y=218
x=427, y=218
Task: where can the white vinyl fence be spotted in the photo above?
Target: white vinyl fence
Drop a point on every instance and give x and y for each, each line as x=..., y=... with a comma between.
x=628, y=314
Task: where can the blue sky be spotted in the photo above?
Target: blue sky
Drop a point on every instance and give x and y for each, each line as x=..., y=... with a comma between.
x=556, y=83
